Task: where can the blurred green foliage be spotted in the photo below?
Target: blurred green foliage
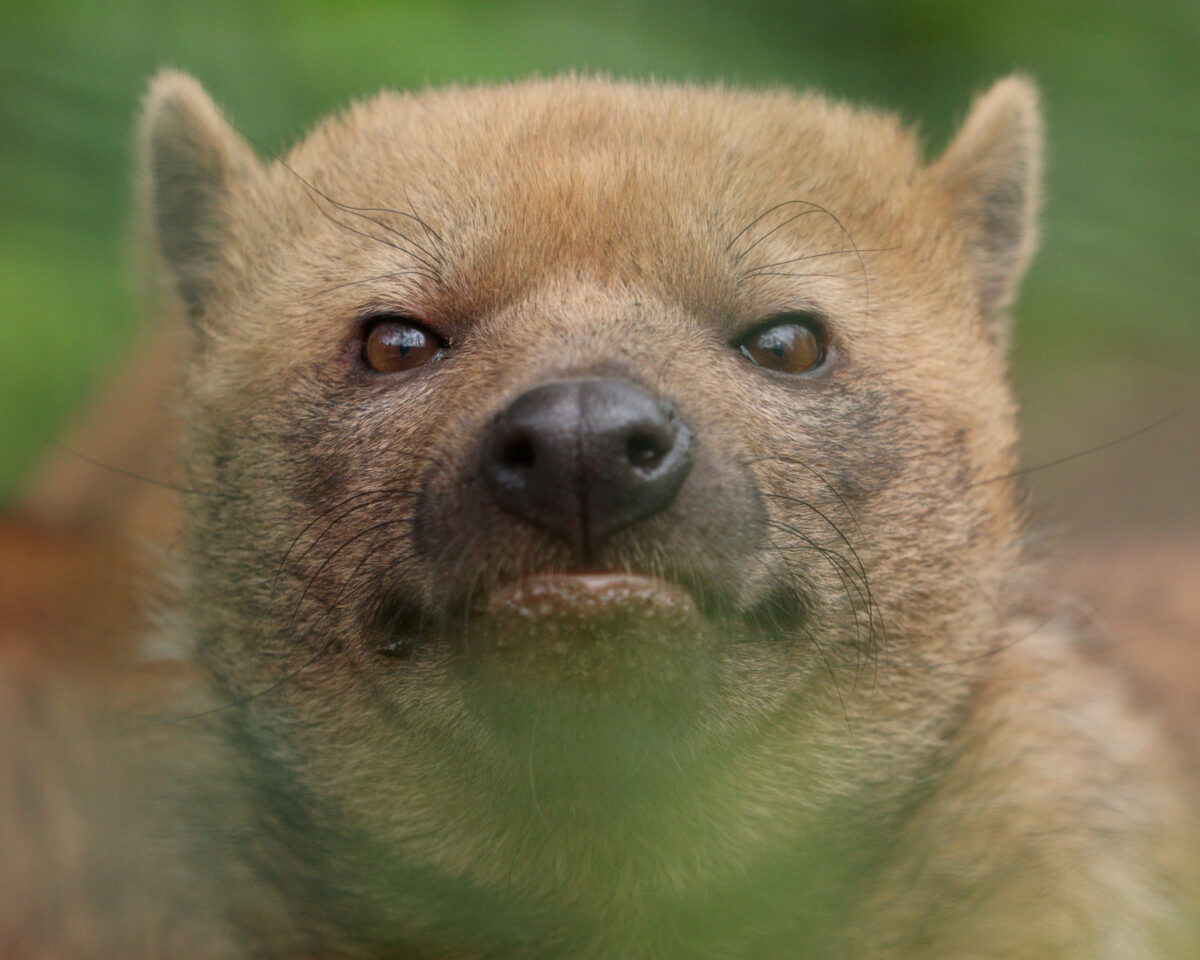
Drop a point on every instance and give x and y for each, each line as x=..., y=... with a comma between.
x=1119, y=265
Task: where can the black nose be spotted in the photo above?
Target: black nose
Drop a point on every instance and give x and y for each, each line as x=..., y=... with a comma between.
x=584, y=458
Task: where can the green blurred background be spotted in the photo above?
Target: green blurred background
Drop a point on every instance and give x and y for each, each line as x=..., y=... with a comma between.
x=1109, y=334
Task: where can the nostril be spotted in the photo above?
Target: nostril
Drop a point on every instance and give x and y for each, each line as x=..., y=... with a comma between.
x=645, y=448
x=517, y=452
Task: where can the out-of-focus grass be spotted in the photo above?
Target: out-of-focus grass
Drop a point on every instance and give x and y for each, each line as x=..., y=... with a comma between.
x=1116, y=283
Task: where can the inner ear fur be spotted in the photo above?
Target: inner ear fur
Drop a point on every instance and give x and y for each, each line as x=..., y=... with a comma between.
x=190, y=160
x=992, y=174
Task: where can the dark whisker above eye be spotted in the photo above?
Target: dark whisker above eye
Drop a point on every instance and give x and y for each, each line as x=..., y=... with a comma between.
x=434, y=274
x=433, y=259
x=767, y=269
x=809, y=256
x=803, y=213
x=399, y=213
x=815, y=208
x=382, y=276
x=804, y=277
x=753, y=223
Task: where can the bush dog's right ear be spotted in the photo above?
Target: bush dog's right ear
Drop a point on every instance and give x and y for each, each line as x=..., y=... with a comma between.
x=191, y=160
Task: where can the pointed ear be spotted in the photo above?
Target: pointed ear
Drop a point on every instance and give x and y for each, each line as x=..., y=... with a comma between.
x=191, y=160
x=992, y=174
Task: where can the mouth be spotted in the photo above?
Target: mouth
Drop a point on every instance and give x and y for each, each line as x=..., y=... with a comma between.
x=586, y=663
x=579, y=637
x=603, y=635
x=599, y=633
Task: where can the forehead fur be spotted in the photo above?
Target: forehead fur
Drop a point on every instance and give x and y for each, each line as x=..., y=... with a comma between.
x=583, y=140
x=610, y=178
x=738, y=133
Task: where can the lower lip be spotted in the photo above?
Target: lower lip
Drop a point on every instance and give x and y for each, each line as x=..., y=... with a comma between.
x=586, y=596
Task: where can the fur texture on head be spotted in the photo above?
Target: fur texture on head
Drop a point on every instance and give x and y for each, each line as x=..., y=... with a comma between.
x=828, y=588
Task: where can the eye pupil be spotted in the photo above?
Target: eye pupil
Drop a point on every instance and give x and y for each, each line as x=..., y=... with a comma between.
x=789, y=344
x=395, y=343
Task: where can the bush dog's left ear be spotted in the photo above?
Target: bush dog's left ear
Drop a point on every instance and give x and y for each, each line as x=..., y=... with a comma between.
x=992, y=174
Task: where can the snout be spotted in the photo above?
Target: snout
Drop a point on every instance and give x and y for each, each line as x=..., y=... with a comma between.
x=586, y=457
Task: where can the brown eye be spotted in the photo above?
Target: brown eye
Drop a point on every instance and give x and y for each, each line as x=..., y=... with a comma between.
x=398, y=343
x=789, y=346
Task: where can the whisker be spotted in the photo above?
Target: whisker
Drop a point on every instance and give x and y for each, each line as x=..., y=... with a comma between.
x=428, y=259
x=766, y=213
x=807, y=276
x=358, y=500
x=844, y=570
x=329, y=559
x=753, y=271
x=798, y=462
x=836, y=529
x=275, y=684
x=803, y=213
x=841, y=226
x=1081, y=453
x=349, y=208
x=429, y=231
x=152, y=481
x=381, y=276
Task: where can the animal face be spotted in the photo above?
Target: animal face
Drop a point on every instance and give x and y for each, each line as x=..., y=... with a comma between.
x=625, y=460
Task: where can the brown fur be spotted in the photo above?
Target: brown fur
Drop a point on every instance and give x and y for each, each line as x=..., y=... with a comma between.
x=887, y=747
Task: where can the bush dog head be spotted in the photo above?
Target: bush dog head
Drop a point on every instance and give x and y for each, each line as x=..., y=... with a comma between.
x=592, y=483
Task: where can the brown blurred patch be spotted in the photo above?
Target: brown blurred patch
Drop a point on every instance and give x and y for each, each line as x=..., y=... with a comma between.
x=1144, y=595
x=115, y=468
x=66, y=595
x=78, y=544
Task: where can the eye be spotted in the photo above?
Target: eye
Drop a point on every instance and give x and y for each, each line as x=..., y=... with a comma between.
x=395, y=342
x=794, y=343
